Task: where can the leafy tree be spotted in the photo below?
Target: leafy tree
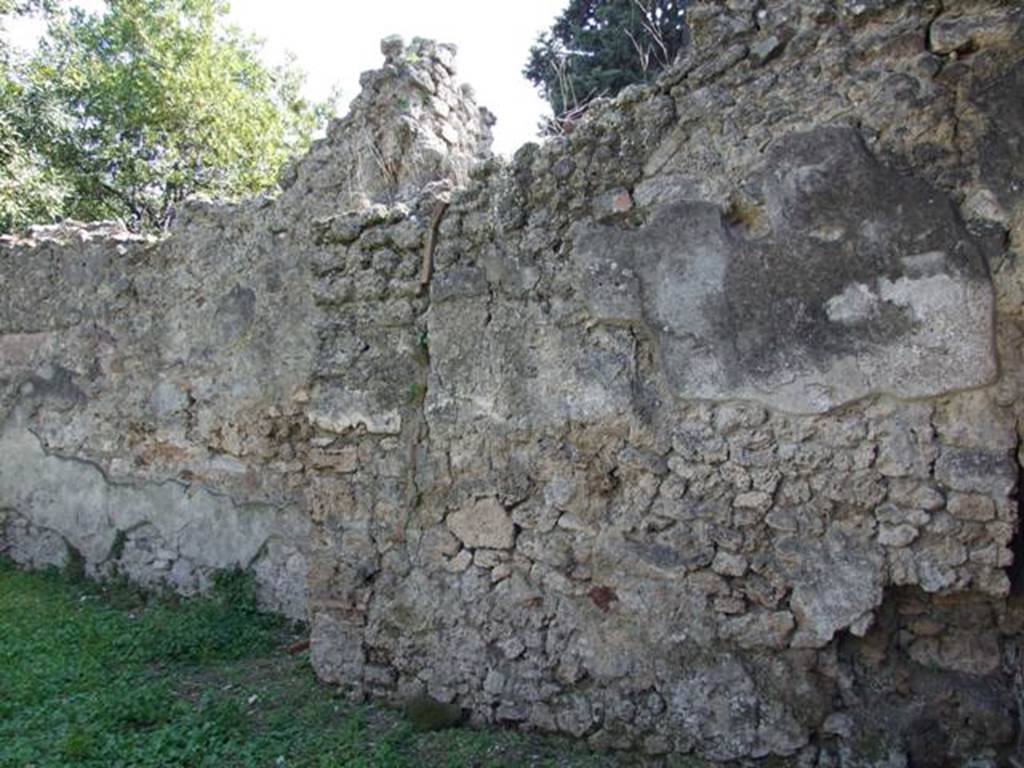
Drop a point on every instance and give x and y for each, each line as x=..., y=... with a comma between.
x=598, y=47
x=160, y=100
x=30, y=190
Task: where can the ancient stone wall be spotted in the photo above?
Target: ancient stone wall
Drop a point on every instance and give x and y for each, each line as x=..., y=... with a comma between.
x=695, y=430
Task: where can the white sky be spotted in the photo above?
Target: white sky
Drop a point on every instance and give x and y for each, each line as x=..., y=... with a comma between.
x=336, y=40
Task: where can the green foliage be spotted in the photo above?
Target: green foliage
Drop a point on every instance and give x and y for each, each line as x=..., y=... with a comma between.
x=30, y=190
x=416, y=394
x=74, y=568
x=235, y=588
x=166, y=682
x=427, y=714
x=21, y=6
x=598, y=47
x=202, y=631
x=149, y=103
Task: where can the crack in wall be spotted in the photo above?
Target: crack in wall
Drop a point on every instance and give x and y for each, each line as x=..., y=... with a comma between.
x=1015, y=572
x=199, y=526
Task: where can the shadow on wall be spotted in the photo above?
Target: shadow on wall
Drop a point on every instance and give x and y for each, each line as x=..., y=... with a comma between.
x=1016, y=570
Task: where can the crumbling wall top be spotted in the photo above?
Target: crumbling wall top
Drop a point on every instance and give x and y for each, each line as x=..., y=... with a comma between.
x=412, y=124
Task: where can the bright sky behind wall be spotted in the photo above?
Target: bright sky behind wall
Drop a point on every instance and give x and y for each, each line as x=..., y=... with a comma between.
x=336, y=40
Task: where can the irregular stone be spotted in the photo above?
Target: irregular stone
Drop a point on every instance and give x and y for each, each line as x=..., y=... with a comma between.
x=706, y=706
x=343, y=461
x=897, y=535
x=954, y=33
x=965, y=652
x=484, y=523
x=992, y=474
x=336, y=662
x=764, y=49
x=895, y=516
x=760, y=630
x=354, y=410
x=841, y=578
x=753, y=500
x=914, y=495
x=460, y=562
x=838, y=724
x=970, y=507
x=494, y=683
x=729, y=564
x=971, y=420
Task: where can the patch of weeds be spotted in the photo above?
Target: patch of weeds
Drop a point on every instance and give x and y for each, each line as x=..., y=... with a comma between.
x=78, y=744
x=119, y=593
x=422, y=350
x=144, y=706
x=427, y=714
x=203, y=630
x=164, y=682
x=74, y=567
x=417, y=392
x=236, y=588
x=117, y=548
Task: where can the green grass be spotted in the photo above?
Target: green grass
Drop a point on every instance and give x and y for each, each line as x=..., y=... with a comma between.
x=107, y=676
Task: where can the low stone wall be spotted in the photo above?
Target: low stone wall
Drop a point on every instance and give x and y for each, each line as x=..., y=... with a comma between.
x=695, y=430
x=129, y=367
